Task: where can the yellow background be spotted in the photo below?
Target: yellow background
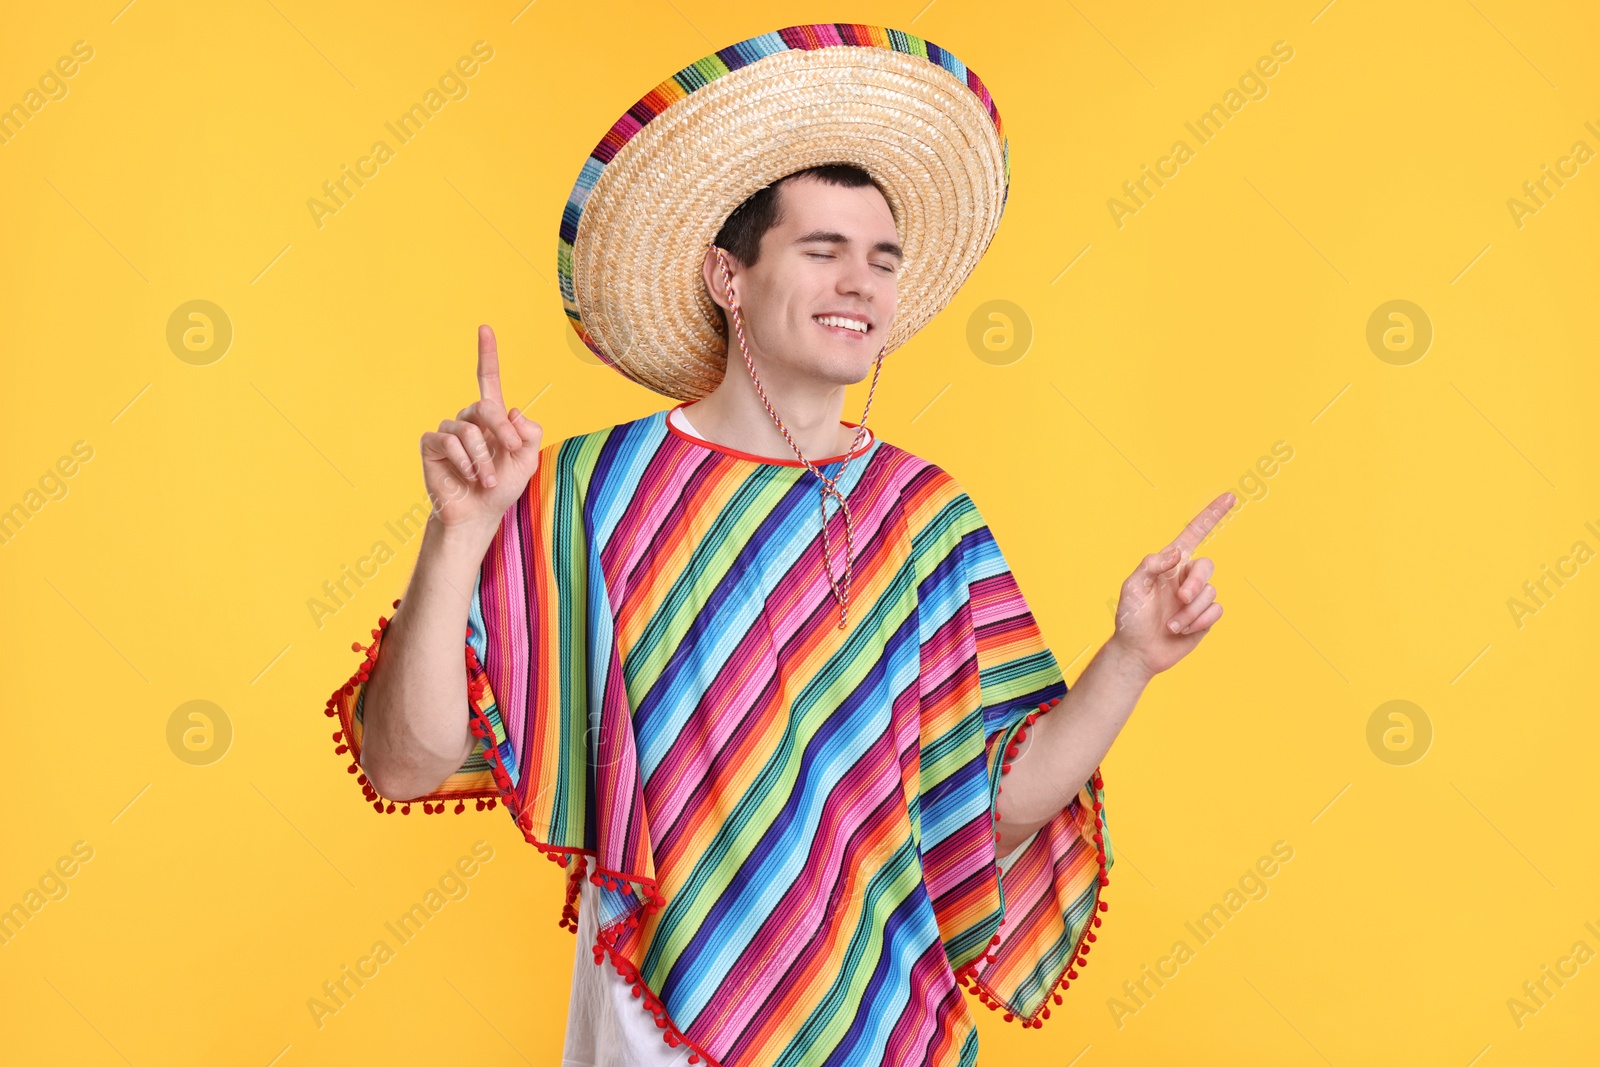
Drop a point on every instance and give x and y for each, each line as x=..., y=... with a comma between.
x=1229, y=313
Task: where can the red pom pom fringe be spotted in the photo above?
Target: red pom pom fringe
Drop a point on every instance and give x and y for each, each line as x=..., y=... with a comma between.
x=967, y=976
x=607, y=942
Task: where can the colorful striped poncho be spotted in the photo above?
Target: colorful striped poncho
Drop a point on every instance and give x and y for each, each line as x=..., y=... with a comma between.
x=791, y=825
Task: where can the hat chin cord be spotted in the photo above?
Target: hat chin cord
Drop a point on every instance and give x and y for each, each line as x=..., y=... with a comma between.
x=829, y=485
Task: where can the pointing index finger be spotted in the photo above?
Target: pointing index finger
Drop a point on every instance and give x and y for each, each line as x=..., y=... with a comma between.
x=1203, y=523
x=489, y=367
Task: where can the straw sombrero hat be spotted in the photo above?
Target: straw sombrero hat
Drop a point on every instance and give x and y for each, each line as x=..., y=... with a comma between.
x=669, y=172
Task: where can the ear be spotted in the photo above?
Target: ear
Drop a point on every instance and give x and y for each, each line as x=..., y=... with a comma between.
x=711, y=271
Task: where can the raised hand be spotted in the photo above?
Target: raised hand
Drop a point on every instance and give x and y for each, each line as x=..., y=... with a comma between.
x=477, y=464
x=1167, y=605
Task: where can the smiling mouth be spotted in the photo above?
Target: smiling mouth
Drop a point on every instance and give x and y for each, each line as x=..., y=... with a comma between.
x=844, y=331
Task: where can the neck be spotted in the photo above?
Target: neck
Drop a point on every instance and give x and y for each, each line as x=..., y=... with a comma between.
x=733, y=415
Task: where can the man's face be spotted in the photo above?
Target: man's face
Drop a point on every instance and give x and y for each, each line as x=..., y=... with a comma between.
x=834, y=255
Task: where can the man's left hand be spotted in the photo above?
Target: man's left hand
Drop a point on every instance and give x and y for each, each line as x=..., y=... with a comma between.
x=1168, y=604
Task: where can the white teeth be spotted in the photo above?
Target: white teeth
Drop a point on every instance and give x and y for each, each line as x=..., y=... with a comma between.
x=848, y=324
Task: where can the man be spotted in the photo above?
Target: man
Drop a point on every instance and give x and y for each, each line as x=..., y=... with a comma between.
x=769, y=754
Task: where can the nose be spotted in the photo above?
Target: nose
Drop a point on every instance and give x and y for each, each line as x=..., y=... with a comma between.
x=857, y=277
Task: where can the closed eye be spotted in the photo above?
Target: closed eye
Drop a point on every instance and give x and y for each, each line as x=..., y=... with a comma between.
x=829, y=255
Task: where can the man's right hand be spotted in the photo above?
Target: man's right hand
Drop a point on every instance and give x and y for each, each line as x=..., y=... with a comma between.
x=478, y=464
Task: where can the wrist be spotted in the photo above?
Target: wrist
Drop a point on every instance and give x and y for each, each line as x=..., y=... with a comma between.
x=1125, y=663
x=465, y=539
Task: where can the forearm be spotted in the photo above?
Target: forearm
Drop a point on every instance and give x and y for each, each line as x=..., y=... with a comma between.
x=1065, y=745
x=415, y=713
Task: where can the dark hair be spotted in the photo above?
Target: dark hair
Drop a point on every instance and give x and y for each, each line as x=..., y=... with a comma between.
x=741, y=234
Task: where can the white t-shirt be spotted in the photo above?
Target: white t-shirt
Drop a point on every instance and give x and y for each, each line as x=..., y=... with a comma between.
x=681, y=421
x=607, y=1026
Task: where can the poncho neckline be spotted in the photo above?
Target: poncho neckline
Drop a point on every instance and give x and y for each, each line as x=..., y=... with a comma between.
x=675, y=430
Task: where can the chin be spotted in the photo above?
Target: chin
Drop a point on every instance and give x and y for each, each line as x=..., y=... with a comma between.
x=851, y=373
x=853, y=366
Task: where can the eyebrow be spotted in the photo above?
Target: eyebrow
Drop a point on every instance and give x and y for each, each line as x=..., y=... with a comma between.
x=836, y=238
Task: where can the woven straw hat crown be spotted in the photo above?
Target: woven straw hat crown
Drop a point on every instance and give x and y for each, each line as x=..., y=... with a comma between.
x=669, y=172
